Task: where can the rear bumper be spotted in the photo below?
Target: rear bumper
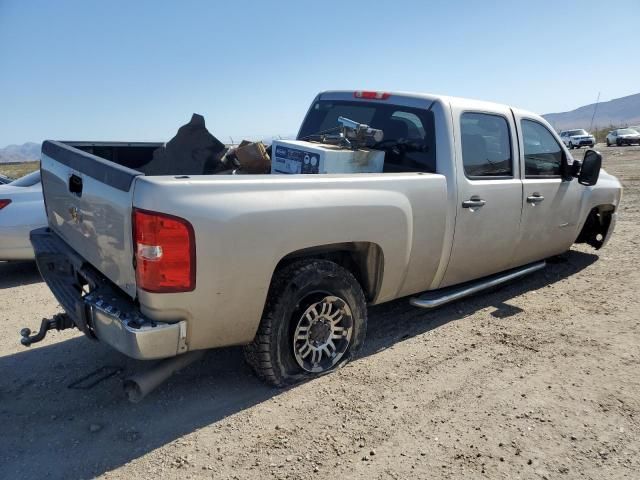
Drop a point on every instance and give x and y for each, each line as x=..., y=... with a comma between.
x=14, y=243
x=582, y=143
x=100, y=309
x=12, y=253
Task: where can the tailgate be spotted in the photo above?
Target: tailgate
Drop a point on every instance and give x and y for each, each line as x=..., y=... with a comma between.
x=89, y=203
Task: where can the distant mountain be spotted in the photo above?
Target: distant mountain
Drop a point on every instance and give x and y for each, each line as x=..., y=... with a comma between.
x=27, y=152
x=619, y=112
x=269, y=140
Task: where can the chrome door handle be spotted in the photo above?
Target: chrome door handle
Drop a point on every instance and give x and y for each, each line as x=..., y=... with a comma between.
x=474, y=202
x=535, y=198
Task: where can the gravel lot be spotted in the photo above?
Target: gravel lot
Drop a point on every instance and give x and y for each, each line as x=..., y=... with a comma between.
x=538, y=379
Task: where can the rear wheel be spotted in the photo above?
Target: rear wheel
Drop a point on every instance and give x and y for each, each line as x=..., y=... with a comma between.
x=314, y=321
x=608, y=143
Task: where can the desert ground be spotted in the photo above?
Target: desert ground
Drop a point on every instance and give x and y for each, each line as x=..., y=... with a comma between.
x=17, y=170
x=536, y=380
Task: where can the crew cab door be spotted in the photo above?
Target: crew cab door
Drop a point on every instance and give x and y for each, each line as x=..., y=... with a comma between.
x=489, y=193
x=550, y=205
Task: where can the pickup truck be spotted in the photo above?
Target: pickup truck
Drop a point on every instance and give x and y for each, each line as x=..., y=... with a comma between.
x=471, y=194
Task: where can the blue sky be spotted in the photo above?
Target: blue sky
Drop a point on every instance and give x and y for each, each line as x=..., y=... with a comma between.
x=136, y=70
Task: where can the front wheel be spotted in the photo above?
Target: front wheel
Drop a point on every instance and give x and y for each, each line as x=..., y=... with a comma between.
x=570, y=146
x=315, y=320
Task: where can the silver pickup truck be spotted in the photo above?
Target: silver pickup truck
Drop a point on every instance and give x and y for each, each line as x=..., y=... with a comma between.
x=470, y=194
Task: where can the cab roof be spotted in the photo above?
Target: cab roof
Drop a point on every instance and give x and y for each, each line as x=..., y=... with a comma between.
x=407, y=98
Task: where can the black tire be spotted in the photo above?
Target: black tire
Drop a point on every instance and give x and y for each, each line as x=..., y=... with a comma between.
x=618, y=143
x=293, y=291
x=608, y=143
x=570, y=146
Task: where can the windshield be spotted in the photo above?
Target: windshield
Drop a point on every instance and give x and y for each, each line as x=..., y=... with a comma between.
x=409, y=136
x=627, y=131
x=28, y=180
x=573, y=133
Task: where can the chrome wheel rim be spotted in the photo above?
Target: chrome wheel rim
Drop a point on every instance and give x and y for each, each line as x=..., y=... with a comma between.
x=323, y=334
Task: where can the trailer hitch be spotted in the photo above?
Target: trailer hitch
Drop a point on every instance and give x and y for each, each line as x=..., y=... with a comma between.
x=60, y=321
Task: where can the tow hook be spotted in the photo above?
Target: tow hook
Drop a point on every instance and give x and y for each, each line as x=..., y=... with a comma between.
x=60, y=321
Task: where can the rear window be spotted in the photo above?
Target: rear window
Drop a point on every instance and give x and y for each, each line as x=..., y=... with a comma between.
x=572, y=133
x=409, y=133
x=28, y=180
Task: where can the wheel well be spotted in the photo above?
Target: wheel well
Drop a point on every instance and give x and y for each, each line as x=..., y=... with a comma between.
x=363, y=259
x=596, y=226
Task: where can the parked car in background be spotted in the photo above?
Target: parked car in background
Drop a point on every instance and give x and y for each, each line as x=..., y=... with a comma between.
x=21, y=210
x=577, y=138
x=623, y=136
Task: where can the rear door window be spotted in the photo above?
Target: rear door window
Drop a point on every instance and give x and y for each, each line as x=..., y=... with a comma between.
x=486, y=145
x=28, y=180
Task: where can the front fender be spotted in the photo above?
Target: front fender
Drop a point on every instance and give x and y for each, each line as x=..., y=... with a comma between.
x=605, y=194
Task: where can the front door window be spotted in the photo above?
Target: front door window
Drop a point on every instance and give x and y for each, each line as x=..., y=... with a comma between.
x=542, y=153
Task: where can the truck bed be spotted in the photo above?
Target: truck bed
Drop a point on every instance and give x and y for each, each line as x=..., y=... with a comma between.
x=244, y=226
x=89, y=201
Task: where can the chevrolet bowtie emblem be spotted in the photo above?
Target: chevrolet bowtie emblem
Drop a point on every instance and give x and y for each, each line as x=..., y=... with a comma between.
x=75, y=214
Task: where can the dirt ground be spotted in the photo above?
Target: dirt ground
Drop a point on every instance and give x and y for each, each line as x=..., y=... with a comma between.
x=537, y=380
x=17, y=170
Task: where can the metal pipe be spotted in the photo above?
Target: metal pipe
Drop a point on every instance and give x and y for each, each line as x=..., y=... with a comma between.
x=142, y=384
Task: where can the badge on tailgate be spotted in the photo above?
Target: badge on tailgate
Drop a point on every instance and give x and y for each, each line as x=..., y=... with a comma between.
x=76, y=216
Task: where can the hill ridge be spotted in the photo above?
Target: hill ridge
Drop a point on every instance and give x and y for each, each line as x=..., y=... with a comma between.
x=618, y=112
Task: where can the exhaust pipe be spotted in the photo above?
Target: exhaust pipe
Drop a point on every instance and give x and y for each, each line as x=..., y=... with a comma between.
x=142, y=384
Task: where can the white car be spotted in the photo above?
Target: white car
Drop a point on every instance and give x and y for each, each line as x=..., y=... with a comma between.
x=623, y=136
x=21, y=210
x=577, y=138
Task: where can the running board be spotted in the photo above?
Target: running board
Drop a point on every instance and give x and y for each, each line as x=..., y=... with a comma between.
x=436, y=298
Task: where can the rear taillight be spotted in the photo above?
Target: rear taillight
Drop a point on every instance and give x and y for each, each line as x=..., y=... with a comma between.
x=371, y=95
x=165, y=252
x=4, y=202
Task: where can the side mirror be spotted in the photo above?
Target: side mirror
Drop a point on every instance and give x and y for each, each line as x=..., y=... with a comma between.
x=590, y=170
